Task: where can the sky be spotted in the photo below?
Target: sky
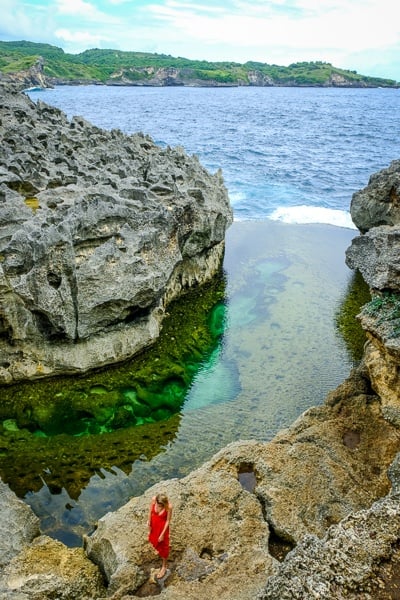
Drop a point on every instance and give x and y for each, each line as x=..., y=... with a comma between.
x=360, y=35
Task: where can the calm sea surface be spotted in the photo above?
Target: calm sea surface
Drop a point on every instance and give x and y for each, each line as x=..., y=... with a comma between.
x=291, y=160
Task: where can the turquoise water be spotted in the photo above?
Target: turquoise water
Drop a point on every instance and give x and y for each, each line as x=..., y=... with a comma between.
x=280, y=352
x=287, y=154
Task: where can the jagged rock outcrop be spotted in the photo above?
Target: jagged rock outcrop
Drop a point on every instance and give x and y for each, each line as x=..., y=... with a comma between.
x=315, y=513
x=353, y=560
x=379, y=202
x=375, y=253
x=236, y=518
x=47, y=569
x=98, y=232
x=28, y=78
x=36, y=567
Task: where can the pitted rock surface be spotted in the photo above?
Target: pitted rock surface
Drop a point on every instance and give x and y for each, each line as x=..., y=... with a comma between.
x=98, y=232
x=379, y=202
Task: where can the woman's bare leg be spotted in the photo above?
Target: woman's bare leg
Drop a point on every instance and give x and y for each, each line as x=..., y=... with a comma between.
x=163, y=569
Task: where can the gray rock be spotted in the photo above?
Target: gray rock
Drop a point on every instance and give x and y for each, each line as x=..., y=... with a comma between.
x=98, y=232
x=343, y=564
x=376, y=255
x=18, y=525
x=47, y=569
x=378, y=203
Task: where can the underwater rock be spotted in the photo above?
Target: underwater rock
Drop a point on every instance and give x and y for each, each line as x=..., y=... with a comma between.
x=99, y=231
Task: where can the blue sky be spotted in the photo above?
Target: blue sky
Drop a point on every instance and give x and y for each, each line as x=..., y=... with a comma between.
x=362, y=35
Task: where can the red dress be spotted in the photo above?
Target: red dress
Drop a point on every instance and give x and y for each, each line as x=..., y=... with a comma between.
x=157, y=523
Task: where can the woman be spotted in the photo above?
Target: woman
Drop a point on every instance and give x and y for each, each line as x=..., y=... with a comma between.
x=160, y=513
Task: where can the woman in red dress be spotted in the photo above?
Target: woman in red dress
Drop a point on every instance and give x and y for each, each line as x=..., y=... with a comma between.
x=160, y=513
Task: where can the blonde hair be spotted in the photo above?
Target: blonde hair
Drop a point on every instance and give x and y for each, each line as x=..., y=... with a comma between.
x=162, y=499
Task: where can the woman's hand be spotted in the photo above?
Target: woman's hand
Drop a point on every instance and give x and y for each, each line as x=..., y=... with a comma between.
x=161, y=538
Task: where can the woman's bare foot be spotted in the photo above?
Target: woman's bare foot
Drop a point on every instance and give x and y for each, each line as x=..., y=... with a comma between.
x=161, y=573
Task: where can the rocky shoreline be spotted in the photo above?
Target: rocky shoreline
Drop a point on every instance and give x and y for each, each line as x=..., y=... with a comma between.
x=99, y=231
x=314, y=513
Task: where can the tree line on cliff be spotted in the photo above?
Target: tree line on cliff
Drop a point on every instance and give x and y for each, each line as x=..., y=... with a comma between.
x=117, y=67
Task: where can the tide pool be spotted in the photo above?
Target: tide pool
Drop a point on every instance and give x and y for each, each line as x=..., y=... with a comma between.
x=269, y=341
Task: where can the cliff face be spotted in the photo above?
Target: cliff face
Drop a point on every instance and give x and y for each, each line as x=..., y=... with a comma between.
x=375, y=253
x=98, y=232
x=33, y=77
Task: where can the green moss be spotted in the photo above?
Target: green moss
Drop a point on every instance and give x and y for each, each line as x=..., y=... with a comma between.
x=346, y=318
x=72, y=427
x=148, y=388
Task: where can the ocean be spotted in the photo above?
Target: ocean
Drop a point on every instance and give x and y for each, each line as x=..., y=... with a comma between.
x=293, y=154
x=291, y=159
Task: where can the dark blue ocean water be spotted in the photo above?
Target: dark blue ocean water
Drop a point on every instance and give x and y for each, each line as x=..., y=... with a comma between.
x=287, y=154
x=296, y=154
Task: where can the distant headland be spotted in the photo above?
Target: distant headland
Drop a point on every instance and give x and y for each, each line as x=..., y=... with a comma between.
x=34, y=64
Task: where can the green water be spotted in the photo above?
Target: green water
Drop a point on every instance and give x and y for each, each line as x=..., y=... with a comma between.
x=239, y=359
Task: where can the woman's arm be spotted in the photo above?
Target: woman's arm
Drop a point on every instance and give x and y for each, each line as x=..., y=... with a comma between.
x=167, y=522
x=150, y=509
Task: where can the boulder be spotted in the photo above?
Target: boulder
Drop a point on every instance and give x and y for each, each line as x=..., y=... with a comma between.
x=376, y=255
x=218, y=534
x=379, y=202
x=353, y=560
x=99, y=231
x=47, y=569
x=18, y=525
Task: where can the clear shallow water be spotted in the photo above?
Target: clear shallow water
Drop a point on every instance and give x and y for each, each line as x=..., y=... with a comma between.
x=287, y=154
x=280, y=353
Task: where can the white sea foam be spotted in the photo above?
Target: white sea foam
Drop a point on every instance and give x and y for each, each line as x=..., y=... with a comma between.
x=313, y=214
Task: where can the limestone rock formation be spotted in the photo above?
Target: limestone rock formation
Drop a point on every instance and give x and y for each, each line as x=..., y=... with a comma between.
x=351, y=561
x=33, y=77
x=219, y=540
x=375, y=253
x=378, y=203
x=314, y=513
x=98, y=232
x=229, y=537
x=18, y=525
x=47, y=569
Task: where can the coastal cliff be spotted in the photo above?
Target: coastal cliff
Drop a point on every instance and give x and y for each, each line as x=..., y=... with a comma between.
x=99, y=231
x=123, y=68
x=314, y=513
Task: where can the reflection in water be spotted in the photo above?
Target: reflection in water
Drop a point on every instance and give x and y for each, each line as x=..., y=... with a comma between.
x=239, y=360
x=59, y=432
x=356, y=295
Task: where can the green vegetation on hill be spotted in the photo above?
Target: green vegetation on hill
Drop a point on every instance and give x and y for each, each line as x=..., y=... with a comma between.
x=119, y=66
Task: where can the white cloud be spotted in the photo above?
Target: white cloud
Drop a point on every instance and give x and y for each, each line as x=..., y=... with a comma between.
x=86, y=10
x=82, y=38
